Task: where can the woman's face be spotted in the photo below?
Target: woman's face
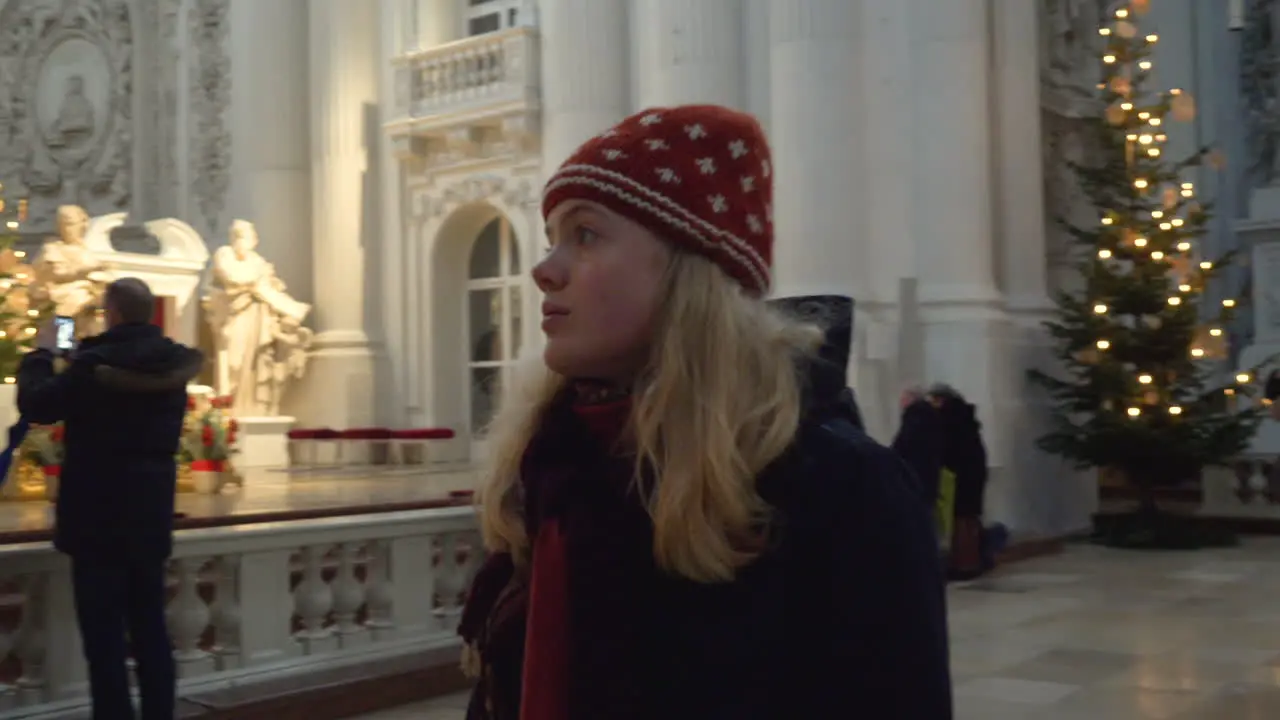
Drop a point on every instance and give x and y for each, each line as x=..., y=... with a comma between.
x=602, y=279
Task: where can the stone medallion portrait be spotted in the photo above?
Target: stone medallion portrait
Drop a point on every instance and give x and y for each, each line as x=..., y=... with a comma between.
x=73, y=99
x=66, y=134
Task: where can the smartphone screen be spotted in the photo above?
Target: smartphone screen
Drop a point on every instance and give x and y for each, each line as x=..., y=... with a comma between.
x=66, y=332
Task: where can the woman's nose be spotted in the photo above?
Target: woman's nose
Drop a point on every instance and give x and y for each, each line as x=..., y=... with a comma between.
x=551, y=273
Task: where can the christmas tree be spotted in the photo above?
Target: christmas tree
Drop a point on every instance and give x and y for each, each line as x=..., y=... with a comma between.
x=1144, y=392
x=17, y=319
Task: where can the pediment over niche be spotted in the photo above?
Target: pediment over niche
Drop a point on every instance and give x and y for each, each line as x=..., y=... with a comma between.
x=153, y=244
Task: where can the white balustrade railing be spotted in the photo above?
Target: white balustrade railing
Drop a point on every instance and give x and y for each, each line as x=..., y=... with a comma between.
x=491, y=69
x=254, y=602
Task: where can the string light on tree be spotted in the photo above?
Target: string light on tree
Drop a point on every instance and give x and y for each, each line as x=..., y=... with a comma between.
x=18, y=320
x=1138, y=345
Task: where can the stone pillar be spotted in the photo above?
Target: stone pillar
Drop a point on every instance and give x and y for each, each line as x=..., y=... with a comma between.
x=270, y=159
x=961, y=311
x=817, y=134
x=688, y=52
x=1030, y=481
x=584, y=73
x=344, y=79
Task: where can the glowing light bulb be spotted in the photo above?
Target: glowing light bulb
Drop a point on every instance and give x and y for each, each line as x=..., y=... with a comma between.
x=1134, y=412
x=1157, y=255
x=1157, y=214
x=1184, y=246
x=1145, y=139
x=1187, y=193
x=1156, y=122
x=1242, y=378
x=1175, y=301
x=1187, y=186
x=1228, y=391
x=9, y=380
x=1144, y=379
x=1145, y=64
x=1152, y=38
x=1108, y=59
x=1228, y=303
x=13, y=224
x=1107, y=221
x=1176, y=91
x=29, y=331
x=1140, y=183
x=1153, y=152
x=1165, y=226
x=1144, y=115
x=1177, y=222
x=19, y=253
x=1175, y=410
x=1206, y=265
x=1126, y=106
x=1104, y=31
x=1104, y=344
x=32, y=313
x=1197, y=352
x=1131, y=137
x=1104, y=254
x=1140, y=242
x=1216, y=332
x=1100, y=309
x=1122, y=13
x=1184, y=288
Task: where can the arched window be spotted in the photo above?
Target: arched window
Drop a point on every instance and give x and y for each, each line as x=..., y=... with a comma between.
x=493, y=317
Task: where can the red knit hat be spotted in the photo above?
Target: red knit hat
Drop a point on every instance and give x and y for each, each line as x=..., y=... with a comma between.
x=696, y=175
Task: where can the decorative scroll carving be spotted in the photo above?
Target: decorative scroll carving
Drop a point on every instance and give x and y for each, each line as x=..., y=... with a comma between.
x=210, y=147
x=66, y=104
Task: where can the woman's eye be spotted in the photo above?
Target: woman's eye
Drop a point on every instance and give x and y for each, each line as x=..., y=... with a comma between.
x=584, y=235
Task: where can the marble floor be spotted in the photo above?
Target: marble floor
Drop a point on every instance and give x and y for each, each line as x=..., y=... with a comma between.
x=1099, y=634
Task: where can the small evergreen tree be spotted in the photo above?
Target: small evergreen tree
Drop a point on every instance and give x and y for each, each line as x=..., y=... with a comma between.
x=17, y=321
x=1141, y=393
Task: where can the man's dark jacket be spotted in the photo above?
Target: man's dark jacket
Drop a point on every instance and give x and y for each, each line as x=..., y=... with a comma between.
x=122, y=399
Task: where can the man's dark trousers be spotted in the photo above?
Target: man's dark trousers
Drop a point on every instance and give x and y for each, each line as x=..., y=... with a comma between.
x=120, y=603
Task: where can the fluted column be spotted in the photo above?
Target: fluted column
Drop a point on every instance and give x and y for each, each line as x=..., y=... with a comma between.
x=961, y=311
x=1020, y=211
x=344, y=77
x=819, y=213
x=270, y=158
x=584, y=73
x=688, y=52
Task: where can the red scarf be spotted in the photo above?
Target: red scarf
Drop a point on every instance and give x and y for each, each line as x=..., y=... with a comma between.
x=545, y=682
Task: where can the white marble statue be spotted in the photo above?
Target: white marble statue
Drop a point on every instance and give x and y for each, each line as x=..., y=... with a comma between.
x=68, y=275
x=257, y=327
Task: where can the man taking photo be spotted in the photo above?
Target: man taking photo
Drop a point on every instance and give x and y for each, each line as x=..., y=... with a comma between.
x=122, y=398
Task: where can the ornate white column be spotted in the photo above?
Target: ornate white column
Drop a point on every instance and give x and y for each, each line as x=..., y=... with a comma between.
x=688, y=52
x=270, y=182
x=817, y=134
x=584, y=73
x=961, y=311
x=344, y=79
x=1020, y=214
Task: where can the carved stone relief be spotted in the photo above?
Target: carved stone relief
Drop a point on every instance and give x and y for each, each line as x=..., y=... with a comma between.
x=1069, y=75
x=1259, y=83
x=514, y=192
x=66, y=105
x=210, y=92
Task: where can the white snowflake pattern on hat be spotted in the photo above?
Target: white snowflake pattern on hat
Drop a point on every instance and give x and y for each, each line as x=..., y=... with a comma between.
x=707, y=165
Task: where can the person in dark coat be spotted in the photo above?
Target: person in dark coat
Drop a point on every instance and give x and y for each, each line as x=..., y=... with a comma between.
x=920, y=441
x=682, y=522
x=122, y=400
x=17, y=433
x=966, y=455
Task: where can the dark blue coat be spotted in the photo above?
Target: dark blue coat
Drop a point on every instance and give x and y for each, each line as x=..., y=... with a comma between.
x=842, y=616
x=122, y=400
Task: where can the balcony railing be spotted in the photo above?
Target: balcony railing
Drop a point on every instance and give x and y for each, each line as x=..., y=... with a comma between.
x=254, y=602
x=494, y=70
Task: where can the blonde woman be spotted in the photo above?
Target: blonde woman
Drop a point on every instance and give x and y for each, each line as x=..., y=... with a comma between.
x=682, y=521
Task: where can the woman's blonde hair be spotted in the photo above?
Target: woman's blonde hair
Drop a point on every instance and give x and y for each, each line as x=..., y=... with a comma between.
x=718, y=402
